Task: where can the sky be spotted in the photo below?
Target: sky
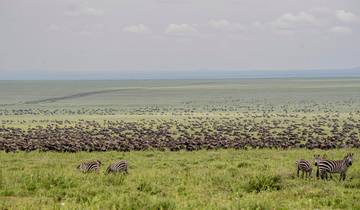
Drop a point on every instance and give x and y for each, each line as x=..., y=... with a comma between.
x=52, y=37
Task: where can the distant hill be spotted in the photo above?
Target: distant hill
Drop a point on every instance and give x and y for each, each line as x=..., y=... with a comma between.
x=218, y=74
x=194, y=74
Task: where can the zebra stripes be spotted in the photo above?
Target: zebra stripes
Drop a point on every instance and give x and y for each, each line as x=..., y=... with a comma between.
x=304, y=166
x=92, y=166
x=119, y=166
x=326, y=167
x=318, y=158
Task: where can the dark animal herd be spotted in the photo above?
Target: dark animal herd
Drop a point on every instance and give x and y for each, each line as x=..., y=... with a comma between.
x=324, y=131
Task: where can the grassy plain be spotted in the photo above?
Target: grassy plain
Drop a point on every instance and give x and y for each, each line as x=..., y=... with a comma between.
x=215, y=179
x=221, y=179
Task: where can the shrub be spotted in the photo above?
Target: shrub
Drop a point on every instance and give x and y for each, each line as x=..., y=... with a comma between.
x=52, y=180
x=163, y=204
x=148, y=187
x=136, y=201
x=263, y=183
x=243, y=165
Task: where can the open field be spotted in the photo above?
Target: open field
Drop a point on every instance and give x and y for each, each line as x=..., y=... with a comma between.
x=221, y=179
x=179, y=96
x=228, y=125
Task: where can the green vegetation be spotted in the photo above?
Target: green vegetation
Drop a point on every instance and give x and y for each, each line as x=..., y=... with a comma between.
x=255, y=109
x=217, y=179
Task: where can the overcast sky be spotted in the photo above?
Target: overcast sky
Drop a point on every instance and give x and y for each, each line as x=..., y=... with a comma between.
x=171, y=35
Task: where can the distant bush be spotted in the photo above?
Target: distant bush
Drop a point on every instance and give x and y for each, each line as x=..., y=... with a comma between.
x=136, y=201
x=243, y=165
x=163, y=204
x=140, y=200
x=257, y=206
x=263, y=183
x=148, y=187
x=354, y=184
x=51, y=180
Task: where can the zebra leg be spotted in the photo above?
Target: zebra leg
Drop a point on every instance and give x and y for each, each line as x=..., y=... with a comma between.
x=298, y=172
x=342, y=176
x=323, y=174
x=317, y=173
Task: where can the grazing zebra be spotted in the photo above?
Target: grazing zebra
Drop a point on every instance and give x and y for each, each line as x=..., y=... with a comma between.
x=304, y=166
x=334, y=166
x=89, y=166
x=119, y=166
x=318, y=158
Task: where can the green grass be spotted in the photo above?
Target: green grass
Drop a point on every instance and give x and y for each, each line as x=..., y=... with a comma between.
x=222, y=179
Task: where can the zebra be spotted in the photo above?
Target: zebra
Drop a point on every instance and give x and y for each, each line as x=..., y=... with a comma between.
x=335, y=166
x=318, y=158
x=118, y=166
x=89, y=166
x=304, y=166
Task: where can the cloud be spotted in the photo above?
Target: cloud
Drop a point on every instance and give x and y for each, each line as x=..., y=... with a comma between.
x=225, y=25
x=76, y=10
x=54, y=28
x=346, y=16
x=175, y=2
x=219, y=23
x=180, y=29
x=140, y=29
x=341, y=30
x=292, y=21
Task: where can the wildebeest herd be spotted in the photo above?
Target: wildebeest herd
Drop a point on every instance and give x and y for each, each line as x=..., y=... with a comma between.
x=324, y=131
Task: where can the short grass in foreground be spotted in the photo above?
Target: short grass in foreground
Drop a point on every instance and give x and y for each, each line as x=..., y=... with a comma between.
x=222, y=179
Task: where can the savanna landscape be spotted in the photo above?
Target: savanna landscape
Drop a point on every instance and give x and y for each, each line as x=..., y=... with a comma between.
x=190, y=144
x=179, y=105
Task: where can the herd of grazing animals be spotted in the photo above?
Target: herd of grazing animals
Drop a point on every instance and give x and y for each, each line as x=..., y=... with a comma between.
x=249, y=130
x=324, y=166
x=94, y=166
x=246, y=131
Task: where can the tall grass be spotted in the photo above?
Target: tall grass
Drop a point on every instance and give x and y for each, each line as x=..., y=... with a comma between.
x=222, y=179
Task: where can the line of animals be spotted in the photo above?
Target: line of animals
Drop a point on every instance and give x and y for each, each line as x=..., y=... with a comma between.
x=325, y=167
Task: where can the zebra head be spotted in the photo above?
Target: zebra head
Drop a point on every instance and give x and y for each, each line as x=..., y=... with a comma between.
x=317, y=159
x=348, y=159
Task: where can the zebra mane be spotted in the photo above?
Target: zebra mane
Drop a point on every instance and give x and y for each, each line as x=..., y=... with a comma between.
x=349, y=155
